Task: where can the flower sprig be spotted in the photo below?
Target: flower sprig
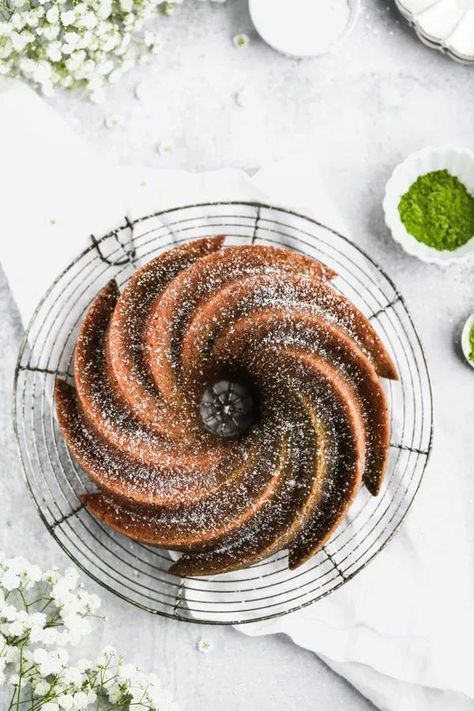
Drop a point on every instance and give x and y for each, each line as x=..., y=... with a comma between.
x=77, y=44
x=41, y=615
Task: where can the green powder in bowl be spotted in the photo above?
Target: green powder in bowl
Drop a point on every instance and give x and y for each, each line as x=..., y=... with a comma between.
x=438, y=210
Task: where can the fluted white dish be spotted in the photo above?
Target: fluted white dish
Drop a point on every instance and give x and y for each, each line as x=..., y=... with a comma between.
x=447, y=25
x=457, y=161
x=465, y=339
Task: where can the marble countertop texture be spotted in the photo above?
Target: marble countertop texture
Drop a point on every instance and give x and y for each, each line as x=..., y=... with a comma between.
x=360, y=111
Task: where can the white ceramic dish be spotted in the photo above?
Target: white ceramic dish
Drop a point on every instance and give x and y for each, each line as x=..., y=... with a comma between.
x=447, y=25
x=286, y=27
x=465, y=344
x=457, y=161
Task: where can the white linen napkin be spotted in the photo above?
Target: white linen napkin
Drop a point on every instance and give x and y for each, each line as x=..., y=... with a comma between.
x=388, y=631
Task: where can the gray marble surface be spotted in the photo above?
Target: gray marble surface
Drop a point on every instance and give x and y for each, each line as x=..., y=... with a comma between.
x=380, y=97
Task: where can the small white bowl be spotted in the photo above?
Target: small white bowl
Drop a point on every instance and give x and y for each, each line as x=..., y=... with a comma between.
x=457, y=161
x=465, y=336
x=283, y=26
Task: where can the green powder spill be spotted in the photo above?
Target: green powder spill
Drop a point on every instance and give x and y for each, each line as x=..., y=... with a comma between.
x=438, y=211
x=471, y=343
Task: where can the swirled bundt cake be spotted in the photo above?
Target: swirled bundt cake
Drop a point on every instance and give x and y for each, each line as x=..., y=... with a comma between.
x=227, y=404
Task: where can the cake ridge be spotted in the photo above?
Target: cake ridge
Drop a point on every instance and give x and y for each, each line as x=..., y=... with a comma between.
x=206, y=313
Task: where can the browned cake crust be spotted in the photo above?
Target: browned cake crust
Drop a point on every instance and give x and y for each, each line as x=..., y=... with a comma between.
x=196, y=314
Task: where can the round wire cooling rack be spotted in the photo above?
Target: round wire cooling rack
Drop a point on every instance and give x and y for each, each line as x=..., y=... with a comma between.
x=138, y=573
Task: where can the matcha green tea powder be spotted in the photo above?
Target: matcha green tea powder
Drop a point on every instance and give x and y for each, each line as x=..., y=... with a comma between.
x=438, y=211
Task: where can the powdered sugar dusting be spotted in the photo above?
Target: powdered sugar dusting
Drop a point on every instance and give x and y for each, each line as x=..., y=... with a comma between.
x=259, y=315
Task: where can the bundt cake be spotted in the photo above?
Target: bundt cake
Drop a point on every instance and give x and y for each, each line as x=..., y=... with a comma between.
x=227, y=404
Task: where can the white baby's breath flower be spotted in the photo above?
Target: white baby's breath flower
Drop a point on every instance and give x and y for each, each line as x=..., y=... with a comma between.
x=37, y=619
x=94, y=602
x=128, y=673
x=105, y=68
x=165, y=148
x=20, y=40
x=33, y=17
x=83, y=664
x=51, y=32
x=148, y=38
x=80, y=9
x=42, y=72
x=141, y=90
x=64, y=584
x=81, y=700
x=72, y=676
x=51, y=576
x=112, y=121
x=6, y=47
x=77, y=627
x=12, y=654
x=7, y=611
x=10, y=580
x=15, y=629
x=41, y=687
x=47, y=635
x=97, y=96
x=114, y=692
x=108, y=653
x=19, y=20
x=205, y=646
x=104, y=9
x=49, y=662
x=52, y=14
x=115, y=76
x=168, y=8
x=68, y=17
x=54, y=52
x=241, y=40
x=75, y=60
x=65, y=701
x=89, y=20
x=50, y=706
x=29, y=574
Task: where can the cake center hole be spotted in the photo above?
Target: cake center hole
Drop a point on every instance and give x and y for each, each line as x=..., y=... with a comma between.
x=227, y=409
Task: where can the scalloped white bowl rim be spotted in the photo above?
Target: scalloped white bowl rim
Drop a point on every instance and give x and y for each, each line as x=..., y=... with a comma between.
x=456, y=160
x=442, y=44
